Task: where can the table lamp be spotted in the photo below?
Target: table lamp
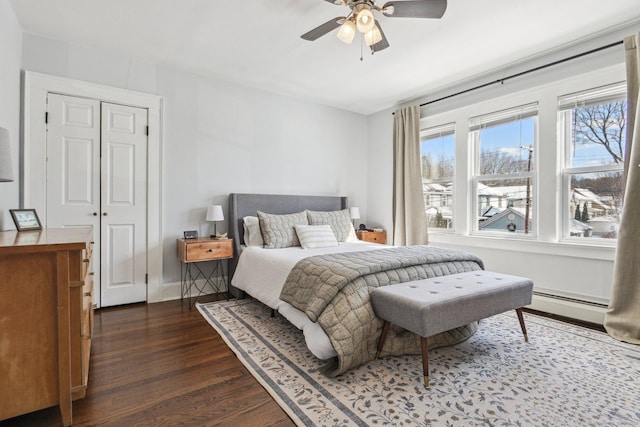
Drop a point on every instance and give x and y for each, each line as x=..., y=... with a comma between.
x=215, y=214
x=354, y=213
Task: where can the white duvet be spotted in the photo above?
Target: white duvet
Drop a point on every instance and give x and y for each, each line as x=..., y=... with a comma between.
x=262, y=272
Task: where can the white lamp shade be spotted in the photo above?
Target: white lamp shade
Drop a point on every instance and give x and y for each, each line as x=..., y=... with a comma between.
x=347, y=32
x=374, y=36
x=214, y=213
x=6, y=161
x=354, y=213
x=365, y=21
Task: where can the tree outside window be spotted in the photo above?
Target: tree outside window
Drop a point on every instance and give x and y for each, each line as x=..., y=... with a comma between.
x=594, y=124
x=504, y=143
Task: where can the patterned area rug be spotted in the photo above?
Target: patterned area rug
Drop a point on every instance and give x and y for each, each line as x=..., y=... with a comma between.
x=564, y=376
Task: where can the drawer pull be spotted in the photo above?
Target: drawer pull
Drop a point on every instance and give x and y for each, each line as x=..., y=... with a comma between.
x=91, y=273
x=87, y=294
x=210, y=250
x=87, y=260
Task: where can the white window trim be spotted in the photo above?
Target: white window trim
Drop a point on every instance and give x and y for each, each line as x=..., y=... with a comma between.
x=440, y=130
x=548, y=168
x=480, y=122
x=588, y=96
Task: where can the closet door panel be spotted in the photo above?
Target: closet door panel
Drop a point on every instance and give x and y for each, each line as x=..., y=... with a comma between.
x=124, y=203
x=73, y=166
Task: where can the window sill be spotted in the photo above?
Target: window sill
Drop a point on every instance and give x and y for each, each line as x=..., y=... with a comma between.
x=526, y=245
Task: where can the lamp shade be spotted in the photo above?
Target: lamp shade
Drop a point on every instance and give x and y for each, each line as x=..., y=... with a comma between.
x=347, y=31
x=374, y=36
x=214, y=213
x=6, y=162
x=364, y=20
x=354, y=213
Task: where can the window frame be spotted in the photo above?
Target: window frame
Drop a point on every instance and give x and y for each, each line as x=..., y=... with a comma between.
x=497, y=118
x=432, y=132
x=612, y=92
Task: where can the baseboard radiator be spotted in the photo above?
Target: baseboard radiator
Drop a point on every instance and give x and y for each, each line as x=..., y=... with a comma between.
x=574, y=308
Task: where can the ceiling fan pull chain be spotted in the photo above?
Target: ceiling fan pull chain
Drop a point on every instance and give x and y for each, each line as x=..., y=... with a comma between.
x=361, y=46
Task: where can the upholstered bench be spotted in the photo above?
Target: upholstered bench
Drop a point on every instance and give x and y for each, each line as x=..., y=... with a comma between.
x=430, y=306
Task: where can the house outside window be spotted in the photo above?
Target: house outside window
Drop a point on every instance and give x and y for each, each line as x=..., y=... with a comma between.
x=437, y=160
x=504, y=170
x=593, y=125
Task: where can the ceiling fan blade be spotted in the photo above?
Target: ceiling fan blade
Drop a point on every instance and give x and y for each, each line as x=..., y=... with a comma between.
x=338, y=2
x=323, y=29
x=415, y=9
x=382, y=44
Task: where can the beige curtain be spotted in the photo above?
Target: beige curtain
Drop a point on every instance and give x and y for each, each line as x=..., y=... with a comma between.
x=409, y=216
x=622, y=320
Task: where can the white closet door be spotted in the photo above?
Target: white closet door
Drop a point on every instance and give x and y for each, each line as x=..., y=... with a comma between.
x=73, y=167
x=124, y=204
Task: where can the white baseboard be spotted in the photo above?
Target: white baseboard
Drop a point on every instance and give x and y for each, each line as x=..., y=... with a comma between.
x=573, y=309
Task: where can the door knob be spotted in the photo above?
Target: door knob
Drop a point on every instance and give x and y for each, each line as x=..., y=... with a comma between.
x=104, y=214
x=95, y=214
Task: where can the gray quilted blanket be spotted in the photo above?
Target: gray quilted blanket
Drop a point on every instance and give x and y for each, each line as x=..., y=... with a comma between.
x=333, y=290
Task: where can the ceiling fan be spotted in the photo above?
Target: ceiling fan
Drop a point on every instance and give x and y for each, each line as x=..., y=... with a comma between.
x=361, y=18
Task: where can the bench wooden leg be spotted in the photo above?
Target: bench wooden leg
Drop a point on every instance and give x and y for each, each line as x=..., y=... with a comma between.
x=521, y=320
x=383, y=337
x=424, y=343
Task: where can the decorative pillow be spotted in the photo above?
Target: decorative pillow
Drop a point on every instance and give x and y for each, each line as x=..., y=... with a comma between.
x=278, y=231
x=252, y=233
x=340, y=223
x=315, y=236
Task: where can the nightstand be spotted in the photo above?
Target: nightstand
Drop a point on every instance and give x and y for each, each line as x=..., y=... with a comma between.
x=192, y=252
x=372, y=236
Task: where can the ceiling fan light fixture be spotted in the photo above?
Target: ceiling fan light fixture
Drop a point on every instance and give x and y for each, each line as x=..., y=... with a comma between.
x=374, y=36
x=364, y=20
x=347, y=31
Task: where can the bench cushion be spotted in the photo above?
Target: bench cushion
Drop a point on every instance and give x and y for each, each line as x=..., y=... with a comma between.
x=430, y=306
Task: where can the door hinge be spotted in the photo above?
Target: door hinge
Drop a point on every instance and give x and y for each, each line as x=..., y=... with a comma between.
x=146, y=278
x=147, y=130
x=46, y=117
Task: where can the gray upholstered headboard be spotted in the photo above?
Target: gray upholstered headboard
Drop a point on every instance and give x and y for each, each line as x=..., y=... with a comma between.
x=241, y=205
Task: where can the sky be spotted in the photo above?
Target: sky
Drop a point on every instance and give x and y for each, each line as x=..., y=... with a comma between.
x=510, y=138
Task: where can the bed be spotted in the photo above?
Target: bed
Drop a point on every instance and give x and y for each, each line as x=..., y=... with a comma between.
x=323, y=290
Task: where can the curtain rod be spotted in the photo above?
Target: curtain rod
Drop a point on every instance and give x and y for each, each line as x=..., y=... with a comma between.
x=522, y=73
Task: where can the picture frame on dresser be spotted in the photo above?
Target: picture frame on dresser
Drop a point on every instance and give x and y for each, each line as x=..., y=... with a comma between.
x=25, y=219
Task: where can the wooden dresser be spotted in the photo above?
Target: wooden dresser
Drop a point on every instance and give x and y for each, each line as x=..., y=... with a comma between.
x=46, y=319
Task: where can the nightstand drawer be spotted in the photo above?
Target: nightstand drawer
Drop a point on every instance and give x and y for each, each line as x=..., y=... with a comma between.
x=373, y=236
x=206, y=249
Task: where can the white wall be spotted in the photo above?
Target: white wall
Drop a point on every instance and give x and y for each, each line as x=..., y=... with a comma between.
x=222, y=138
x=10, y=54
x=557, y=267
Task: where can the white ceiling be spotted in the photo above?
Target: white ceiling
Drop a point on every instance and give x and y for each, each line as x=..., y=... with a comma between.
x=257, y=42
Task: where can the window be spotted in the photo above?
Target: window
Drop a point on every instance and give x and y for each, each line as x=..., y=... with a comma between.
x=504, y=170
x=437, y=155
x=594, y=127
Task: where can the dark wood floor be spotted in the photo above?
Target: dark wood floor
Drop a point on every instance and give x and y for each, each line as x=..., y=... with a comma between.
x=163, y=365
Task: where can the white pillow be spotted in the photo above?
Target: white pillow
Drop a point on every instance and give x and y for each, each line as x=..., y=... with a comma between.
x=315, y=236
x=252, y=233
